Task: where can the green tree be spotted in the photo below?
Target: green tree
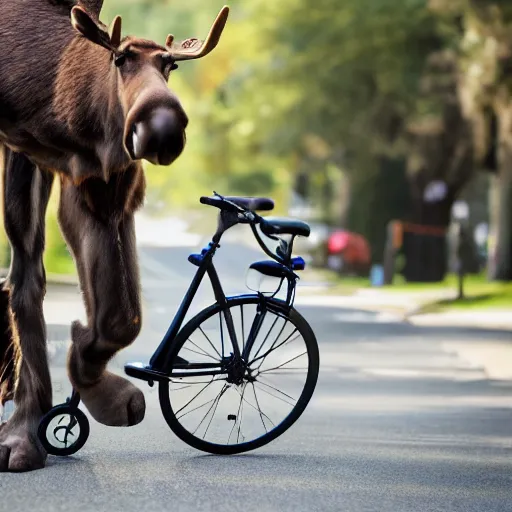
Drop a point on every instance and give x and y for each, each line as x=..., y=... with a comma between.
x=346, y=75
x=484, y=44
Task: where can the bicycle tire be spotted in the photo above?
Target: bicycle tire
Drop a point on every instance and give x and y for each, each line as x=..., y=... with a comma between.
x=309, y=338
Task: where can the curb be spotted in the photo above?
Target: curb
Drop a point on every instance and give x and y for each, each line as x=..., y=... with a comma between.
x=417, y=310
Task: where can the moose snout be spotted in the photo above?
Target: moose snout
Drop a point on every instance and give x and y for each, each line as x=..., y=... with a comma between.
x=160, y=138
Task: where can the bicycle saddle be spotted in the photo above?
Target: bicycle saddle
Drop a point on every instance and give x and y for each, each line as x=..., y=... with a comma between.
x=284, y=226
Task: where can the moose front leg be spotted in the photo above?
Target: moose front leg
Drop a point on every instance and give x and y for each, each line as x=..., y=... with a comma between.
x=97, y=221
x=26, y=193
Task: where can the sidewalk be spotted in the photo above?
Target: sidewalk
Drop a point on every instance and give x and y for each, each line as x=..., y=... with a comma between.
x=409, y=306
x=485, y=318
x=492, y=356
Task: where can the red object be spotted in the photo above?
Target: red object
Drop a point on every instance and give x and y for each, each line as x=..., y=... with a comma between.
x=337, y=242
x=354, y=248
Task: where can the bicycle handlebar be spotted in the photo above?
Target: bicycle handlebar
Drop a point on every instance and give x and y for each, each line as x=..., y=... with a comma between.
x=238, y=204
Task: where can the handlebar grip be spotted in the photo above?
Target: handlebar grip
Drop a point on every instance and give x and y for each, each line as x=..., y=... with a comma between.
x=207, y=200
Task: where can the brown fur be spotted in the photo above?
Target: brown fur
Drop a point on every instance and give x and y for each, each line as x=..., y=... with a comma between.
x=66, y=109
x=6, y=351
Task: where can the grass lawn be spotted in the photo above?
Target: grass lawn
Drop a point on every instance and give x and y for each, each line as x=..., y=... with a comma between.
x=479, y=292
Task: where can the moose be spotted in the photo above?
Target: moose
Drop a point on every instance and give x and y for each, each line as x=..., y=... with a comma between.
x=80, y=103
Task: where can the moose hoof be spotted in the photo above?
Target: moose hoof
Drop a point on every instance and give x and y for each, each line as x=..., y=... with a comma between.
x=114, y=401
x=20, y=449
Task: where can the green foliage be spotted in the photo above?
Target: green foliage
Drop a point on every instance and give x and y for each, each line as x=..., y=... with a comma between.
x=336, y=83
x=294, y=88
x=315, y=90
x=57, y=259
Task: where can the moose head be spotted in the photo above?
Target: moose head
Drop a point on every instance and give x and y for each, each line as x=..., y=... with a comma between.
x=154, y=120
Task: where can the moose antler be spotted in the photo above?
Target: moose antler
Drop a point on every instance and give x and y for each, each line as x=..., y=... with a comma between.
x=193, y=48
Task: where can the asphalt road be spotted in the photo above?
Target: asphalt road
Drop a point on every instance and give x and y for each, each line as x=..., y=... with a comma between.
x=396, y=424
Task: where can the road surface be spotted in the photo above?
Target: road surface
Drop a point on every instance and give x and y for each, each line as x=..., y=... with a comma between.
x=397, y=423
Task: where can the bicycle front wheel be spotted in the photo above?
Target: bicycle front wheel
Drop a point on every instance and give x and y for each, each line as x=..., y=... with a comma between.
x=225, y=410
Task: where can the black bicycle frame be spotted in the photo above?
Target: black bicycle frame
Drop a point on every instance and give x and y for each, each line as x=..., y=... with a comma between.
x=161, y=360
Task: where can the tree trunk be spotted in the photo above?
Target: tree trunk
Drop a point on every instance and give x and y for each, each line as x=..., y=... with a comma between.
x=501, y=263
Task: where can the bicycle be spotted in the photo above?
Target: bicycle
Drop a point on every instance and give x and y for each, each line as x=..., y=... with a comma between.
x=241, y=365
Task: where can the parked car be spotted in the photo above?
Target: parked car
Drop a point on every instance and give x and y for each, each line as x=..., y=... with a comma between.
x=348, y=253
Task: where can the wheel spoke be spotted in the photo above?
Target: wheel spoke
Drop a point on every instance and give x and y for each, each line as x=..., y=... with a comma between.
x=283, y=364
x=274, y=347
x=272, y=394
x=180, y=388
x=196, y=408
x=215, y=404
x=215, y=401
x=203, y=350
x=279, y=391
x=259, y=409
x=192, y=399
x=209, y=341
x=199, y=353
x=268, y=334
x=237, y=416
x=241, y=414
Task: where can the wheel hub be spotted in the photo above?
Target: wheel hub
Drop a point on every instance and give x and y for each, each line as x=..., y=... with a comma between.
x=236, y=370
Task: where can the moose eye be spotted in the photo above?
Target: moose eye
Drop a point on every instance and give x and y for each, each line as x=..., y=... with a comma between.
x=120, y=60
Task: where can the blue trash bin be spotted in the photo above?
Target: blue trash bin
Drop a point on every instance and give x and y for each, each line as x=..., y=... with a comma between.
x=377, y=275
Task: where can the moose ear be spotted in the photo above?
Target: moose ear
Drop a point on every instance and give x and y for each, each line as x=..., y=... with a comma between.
x=83, y=23
x=115, y=32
